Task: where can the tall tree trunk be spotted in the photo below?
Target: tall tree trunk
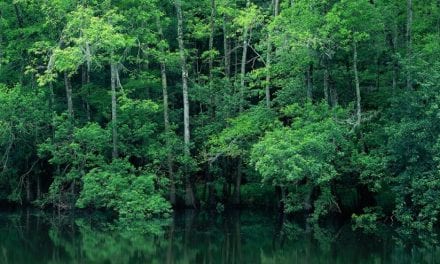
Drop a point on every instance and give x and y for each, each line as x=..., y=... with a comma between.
x=243, y=63
x=356, y=79
x=226, y=59
x=268, y=63
x=189, y=194
x=211, y=38
x=326, y=79
x=85, y=79
x=236, y=43
x=378, y=66
x=68, y=87
x=1, y=47
x=208, y=178
x=243, y=69
x=308, y=197
x=19, y=16
x=409, y=21
x=113, y=71
x=1, y=41
x=211, y=106
x=226, y=44
x=52, y=109
x=268, y=69
x=276, y=6
x=395, y=60
x=236, y=199
x=333, y=95
x=163, y=74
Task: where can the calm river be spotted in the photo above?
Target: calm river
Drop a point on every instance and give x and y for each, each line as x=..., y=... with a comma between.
x=34, y=237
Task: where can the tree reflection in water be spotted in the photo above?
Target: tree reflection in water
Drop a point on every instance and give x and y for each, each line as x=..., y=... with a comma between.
x=202, y=237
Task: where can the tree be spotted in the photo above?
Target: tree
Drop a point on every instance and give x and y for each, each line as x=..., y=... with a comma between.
x=353, y=22
x=301, y=158
x=189, y=197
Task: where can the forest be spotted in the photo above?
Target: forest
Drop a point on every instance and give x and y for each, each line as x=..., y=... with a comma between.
x=328, y=108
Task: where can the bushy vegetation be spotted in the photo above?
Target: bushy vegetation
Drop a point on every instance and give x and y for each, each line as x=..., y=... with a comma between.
x=118, y=187
x=325, y=107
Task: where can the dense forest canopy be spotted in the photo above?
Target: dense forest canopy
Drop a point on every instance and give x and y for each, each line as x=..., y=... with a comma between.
x=329, y=107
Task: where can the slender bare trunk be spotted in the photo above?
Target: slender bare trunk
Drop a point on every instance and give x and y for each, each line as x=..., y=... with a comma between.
x=1, y=47
x=212, y=104
x=113, y=71
x=227, y=58
x=20, y=21
x=236, y=43
x=268, y=62
x=52, y=109
x=208, y=178
x=243, y=63
x=409, y=22
x=211, y=38
x=241, y=106
x=189, y=196
x=163, y=74
x=243, y=68
x=395, y=60
x=68, y=87
x=276, y=7
x=308, y=198
x=333, y=95
x=268, y=69
x=326, y=78
x=85, y=79
x=356, y=79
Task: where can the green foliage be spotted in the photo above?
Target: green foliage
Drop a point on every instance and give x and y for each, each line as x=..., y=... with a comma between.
x=119, y=187
x=137, y=129
x=87, y=145
x=24, y=122
x=76, y=152
x=368, y=220
x=249, y=17
x=301, y=157
x=235, y=139
x=66, y=55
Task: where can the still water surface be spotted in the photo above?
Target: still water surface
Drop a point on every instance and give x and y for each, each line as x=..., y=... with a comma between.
x=199, y=237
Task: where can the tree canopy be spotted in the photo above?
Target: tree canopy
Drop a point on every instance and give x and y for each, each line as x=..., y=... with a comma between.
x=318, y=107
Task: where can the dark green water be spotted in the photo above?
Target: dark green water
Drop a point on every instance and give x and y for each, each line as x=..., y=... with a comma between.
x=236, y=237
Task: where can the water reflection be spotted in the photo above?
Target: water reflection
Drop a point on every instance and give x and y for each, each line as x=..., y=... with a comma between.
x=200, y=237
